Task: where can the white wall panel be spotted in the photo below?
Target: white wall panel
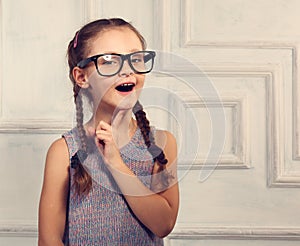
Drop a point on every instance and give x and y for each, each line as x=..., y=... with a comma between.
x=22, y=165
x=205, y=21
x=18, y=240
x=234, y=42
x=1, y=56
x=140, y=13
x=35, y=36
x=36, y=104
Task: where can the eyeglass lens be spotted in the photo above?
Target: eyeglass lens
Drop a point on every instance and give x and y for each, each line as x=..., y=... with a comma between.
x=140, y=62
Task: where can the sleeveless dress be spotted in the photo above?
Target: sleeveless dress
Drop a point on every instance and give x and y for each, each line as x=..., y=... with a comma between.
x=103, y=217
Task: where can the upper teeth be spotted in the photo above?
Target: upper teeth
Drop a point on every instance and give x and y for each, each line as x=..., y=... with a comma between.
x=127, y=84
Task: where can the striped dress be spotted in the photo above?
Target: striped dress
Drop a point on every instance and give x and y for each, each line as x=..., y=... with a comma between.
x=103, y=217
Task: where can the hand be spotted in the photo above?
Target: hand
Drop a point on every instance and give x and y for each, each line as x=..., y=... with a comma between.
x=106, y=144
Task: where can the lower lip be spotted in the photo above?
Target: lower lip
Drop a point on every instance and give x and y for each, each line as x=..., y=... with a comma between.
x=124, y=93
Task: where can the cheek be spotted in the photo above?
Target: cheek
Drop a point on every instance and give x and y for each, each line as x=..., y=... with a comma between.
x=139, y=86
x=100, y=86
x=140, y=80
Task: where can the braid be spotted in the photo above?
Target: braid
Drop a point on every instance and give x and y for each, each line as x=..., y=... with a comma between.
x=144, y=125
x=79, y=119
x=83, y=181
x=156, y=152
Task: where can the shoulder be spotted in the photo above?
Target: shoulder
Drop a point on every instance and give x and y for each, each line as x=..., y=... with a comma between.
x=165, y=139
x=58, y=148
x=58, y=155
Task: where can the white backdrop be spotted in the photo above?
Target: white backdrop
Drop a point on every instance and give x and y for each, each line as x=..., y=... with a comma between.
x=248, y=51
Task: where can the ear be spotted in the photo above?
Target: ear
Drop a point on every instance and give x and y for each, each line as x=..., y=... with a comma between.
x=80, y=77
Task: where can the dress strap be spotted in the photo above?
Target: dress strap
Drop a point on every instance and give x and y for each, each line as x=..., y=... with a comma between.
x=72, y=141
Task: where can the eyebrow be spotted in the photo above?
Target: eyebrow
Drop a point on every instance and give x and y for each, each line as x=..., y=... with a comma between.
x=113, y=52
x=134, y=50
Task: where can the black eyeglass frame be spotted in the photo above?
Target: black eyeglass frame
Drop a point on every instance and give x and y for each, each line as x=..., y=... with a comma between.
x=83, y=63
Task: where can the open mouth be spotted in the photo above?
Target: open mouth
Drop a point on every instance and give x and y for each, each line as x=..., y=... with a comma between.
x=126, y=87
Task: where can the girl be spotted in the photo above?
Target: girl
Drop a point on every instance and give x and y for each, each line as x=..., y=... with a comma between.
x=112, y=180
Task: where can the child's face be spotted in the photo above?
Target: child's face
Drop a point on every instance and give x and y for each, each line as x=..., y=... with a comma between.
x=103, y=89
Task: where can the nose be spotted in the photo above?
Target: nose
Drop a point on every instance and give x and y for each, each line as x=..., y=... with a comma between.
x=126, y=70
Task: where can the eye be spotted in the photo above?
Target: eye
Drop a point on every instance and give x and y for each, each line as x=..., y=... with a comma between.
x=108, y=60
x=137, y=59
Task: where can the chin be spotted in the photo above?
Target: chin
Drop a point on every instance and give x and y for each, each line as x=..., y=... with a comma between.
x=127, y=102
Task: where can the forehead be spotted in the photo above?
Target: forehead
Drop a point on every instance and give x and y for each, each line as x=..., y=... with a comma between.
x=116, y=40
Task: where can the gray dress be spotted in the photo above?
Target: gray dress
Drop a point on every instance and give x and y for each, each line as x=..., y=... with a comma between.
x=103, y=217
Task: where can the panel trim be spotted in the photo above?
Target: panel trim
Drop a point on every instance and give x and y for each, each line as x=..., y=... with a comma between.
x=296, y=105
x=40, y=126
x=93, y=9
x=162, y=23
x=186, y=40
x=278, y=174
x=194, y=232
x=190, y=232
x=18, y=230
x=239, y=159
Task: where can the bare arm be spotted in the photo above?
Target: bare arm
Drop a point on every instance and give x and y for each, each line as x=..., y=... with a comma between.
x=53, y=200
x=157, y=211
